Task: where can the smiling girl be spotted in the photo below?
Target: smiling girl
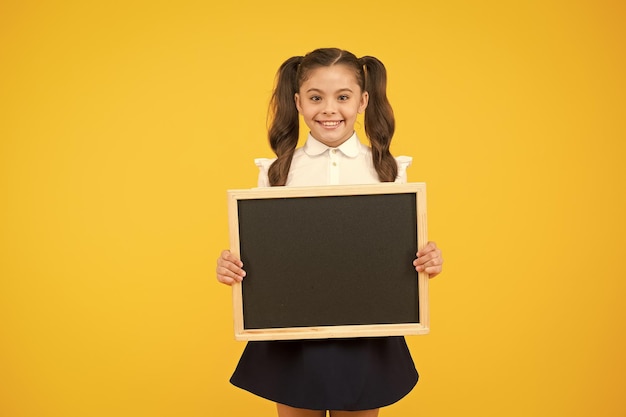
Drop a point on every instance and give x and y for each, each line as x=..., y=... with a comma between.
x=328, y=88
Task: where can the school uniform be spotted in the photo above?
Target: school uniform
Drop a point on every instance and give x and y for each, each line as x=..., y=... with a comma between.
x=329, y=374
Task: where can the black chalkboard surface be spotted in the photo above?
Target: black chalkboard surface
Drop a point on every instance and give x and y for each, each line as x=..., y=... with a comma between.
x=332, y=261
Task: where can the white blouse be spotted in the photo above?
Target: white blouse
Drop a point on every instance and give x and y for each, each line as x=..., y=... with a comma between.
x=318, y=164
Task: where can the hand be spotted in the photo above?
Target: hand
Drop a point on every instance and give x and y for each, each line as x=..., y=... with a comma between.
x=229, y=268
x=429, y=260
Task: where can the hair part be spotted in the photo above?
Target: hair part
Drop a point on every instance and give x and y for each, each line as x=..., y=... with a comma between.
x=284, y=120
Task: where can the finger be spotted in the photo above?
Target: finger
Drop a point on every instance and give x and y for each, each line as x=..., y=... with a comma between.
x=229, y=256
x=433, y=272
x=229, y=269
x=421, y=260
x=228, y=280
x=228, y=277
x=429, y=247
x=229, y=261
x=432, y=258
x=428, y=261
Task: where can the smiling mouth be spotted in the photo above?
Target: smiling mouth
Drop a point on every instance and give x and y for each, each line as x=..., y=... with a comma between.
x=330, y=123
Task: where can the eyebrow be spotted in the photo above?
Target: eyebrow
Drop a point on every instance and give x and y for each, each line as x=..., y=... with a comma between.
x=317, y=90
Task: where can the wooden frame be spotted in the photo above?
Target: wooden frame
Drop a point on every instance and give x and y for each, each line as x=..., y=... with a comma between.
x=257, y=240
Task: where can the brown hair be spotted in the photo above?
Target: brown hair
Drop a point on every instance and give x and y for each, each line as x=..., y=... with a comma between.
x=283, y=131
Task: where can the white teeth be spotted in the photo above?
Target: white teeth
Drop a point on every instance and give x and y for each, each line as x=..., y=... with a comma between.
x=329, y=124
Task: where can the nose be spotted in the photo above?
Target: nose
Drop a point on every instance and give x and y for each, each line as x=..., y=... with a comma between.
x=329, y=108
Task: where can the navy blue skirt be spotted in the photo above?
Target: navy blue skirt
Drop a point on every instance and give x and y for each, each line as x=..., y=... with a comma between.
x=328, y=374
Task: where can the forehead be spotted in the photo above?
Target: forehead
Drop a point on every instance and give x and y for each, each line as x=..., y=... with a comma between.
x=333, y=77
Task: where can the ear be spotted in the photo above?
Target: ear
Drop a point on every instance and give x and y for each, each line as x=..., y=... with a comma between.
x=365, y=97
x=296, y=98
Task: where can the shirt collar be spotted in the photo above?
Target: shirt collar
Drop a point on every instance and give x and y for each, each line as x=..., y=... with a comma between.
x=350, y=147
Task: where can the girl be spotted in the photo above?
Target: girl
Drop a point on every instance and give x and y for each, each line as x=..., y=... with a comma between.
x=348, y=377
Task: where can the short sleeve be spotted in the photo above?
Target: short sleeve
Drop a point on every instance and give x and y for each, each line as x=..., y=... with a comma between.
x=264, y=166
x=403, y=163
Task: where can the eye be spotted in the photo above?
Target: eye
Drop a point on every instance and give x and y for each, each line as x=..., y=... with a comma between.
x=344, y=97
x=315, y=98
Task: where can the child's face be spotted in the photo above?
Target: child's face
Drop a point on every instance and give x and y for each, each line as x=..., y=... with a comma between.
x=329, y=101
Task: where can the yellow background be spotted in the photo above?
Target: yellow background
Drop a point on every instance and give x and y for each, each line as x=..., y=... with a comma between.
x=123, y=123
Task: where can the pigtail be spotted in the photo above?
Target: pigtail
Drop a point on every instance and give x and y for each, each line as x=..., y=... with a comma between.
x=379, y=119
x=284, y=121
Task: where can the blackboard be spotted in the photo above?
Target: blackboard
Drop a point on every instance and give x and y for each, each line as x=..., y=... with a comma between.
x=331, y=261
